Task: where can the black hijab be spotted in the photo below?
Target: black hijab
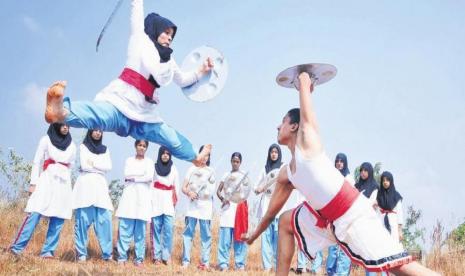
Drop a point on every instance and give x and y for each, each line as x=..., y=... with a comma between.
x=388, y=198
x=154, y=25
x=208, y=161
x=59, y=140
x=94, y=146
x=345, y=170
x=162, y=168
x=270, y=164
x=369, y=185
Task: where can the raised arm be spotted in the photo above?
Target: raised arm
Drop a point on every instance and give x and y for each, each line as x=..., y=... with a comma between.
x=137, y=17
x=280, y=195
x=308, y=137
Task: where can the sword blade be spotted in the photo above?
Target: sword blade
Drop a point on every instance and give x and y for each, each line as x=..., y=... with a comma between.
x=118, y=5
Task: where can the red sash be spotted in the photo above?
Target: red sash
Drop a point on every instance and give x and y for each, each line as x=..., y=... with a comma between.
x=338, y=205
x=160, y=186
x=241, y=221
x=51, y=161
x=138, y=81
x=384, y=211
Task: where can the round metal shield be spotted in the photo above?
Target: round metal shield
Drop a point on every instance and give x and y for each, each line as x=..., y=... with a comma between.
x=237, y=187
x=202, y=182
x=268, y=184
x=319, y=72
x=210, y=85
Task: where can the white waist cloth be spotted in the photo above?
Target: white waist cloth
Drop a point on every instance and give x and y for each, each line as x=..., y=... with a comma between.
x=91, y=189
x=359, y=232
x=135, y=203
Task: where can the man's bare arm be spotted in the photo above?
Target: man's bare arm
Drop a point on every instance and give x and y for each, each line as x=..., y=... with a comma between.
x=308, y=137
x=280, y=195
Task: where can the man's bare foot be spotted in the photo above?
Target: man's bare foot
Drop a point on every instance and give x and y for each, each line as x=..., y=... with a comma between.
x=54, y=111
x=202, y=157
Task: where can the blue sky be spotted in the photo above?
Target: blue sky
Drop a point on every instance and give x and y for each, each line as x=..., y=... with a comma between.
x=398, y=97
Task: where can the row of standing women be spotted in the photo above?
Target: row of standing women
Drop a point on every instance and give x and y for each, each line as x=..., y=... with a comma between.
x=150, y=195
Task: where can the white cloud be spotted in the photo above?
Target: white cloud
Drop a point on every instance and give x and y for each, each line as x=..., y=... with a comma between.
x=31, y=24
x=34, y=98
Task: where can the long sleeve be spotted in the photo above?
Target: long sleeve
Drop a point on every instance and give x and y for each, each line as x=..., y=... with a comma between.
x=261, y=178
x=183, y=79
x=103, y=162
x=100, y=162
x=137, y=17
x=38, y=158
x=373, y=197
x=147, y=176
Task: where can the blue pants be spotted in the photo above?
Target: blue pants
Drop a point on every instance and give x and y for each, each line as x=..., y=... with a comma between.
x=162, y=237
x=105, y=116
x=226, y=238
x=270, y=245
x=301, y=260
x=127, y=230
x=316, y=264
x=205, y=240
x=27, y=229
x=337, y=263
x=101, y=219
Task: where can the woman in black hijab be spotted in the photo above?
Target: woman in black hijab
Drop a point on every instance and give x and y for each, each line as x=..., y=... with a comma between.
x=390, y=205
x=59, y=135
x=269, y=241
x=164, y=199
x=366, y=183
x=50, y=188
x=91, y=197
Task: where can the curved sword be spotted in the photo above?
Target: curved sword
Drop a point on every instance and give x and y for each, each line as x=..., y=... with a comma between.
x=118, y=4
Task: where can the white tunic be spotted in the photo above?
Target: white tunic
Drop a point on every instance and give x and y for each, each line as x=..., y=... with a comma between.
x=91, y=187
x=201, y=208
x=143, y=58
x=395, y=219
x=135, y=203
x=264, y=198
x=162, y=200
x=227, y=214
x=53, y=193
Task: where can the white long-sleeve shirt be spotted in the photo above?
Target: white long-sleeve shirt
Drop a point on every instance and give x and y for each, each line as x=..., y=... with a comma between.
x=162, y=200
x=201, y=208
x=135, y=202
x=91, y=187
x=143, y=58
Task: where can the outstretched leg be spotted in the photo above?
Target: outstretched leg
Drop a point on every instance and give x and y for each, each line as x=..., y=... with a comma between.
x=177, y=144
x=414, y=269
x=286, y=244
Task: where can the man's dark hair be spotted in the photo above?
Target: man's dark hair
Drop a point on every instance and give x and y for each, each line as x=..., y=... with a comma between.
x=294, y=115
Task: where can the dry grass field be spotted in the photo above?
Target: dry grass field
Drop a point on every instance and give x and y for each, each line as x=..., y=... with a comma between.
x=30, y=264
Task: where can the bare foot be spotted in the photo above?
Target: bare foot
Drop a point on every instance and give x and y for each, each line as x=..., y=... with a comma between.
x=54, y=111
x=201, y=158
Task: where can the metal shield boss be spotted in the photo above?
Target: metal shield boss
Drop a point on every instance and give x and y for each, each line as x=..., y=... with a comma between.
x=210, y=85
x=319, y=73
x=201, y=182
x=237, y=187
